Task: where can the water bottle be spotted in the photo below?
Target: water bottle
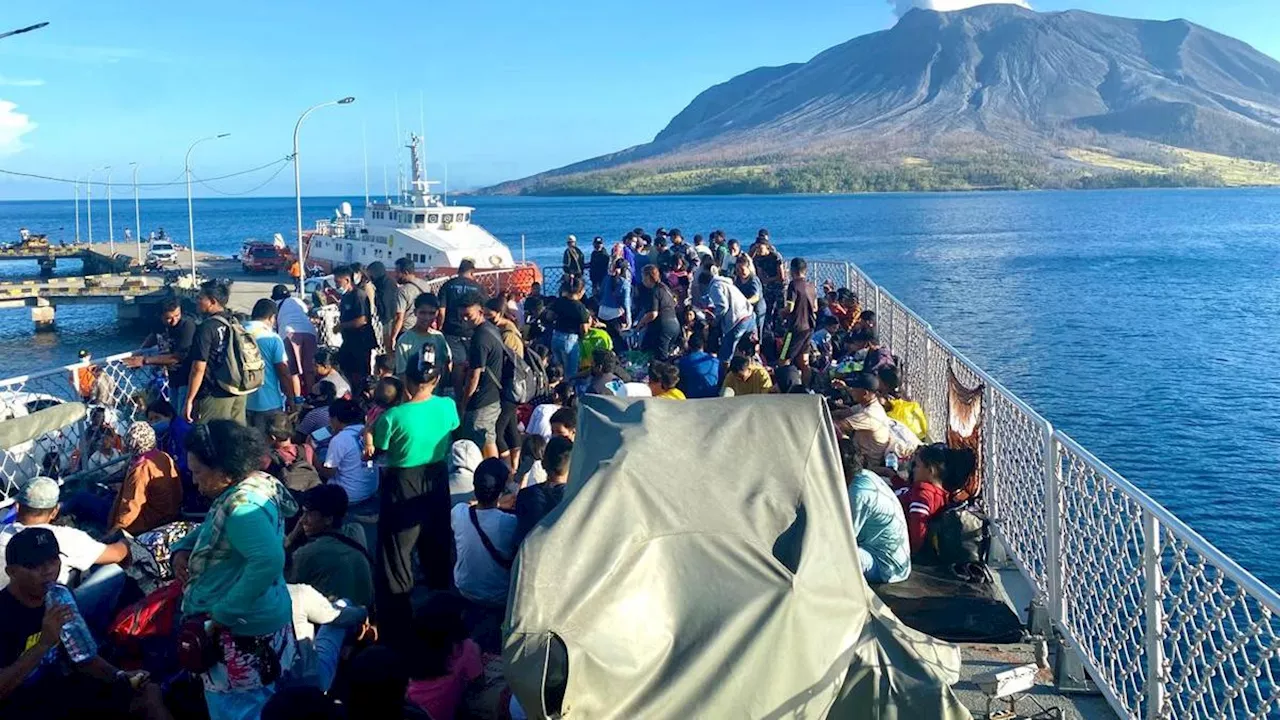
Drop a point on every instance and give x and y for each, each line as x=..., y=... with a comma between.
x=891, y=460
x=75, y=635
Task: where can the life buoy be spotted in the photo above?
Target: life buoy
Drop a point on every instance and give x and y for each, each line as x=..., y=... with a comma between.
x=495, y=260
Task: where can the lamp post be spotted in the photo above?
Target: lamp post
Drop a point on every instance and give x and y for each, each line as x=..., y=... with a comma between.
x=137, y=215
x=111, y=228
x=77, y=210
x=297, y=184
x=191, y=223
x=88, y=204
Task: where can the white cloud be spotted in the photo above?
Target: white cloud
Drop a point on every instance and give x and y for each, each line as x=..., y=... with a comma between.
x=902, y=6
x=13, y=125
x=20, y=82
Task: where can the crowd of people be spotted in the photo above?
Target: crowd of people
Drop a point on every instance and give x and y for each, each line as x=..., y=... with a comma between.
x=336, y=527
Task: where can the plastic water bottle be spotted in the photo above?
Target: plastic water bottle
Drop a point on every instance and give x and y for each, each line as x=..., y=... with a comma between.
x=891, y=460
x=75, y=635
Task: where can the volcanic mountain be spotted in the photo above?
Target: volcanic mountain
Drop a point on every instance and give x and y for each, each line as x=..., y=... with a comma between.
x=992, y=96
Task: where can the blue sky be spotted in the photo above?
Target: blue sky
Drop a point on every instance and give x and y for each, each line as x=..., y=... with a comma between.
x=510, y=88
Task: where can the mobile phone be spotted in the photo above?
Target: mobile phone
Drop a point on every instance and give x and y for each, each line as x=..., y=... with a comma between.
x=321, y=435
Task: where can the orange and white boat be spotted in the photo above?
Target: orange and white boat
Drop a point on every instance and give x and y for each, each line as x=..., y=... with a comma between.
x=437, y=237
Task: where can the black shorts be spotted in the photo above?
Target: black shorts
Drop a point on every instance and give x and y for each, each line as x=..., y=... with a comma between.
x=508, y=428
x=795, y=344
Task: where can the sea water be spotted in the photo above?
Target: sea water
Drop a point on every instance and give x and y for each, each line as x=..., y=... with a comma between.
x=1145, y=324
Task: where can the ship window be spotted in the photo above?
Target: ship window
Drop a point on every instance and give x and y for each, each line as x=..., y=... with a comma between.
x=448, y=218
x=433, y=218
x=419, y=218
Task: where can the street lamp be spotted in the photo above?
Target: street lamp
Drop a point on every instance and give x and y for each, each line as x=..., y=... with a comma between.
x=77, y=210
x=88, y=204
x=297, y=184
x=191, y=223
x=137, y=215
x=111, y=228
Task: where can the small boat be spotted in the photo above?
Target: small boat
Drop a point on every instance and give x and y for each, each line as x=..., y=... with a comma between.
x=418, y=226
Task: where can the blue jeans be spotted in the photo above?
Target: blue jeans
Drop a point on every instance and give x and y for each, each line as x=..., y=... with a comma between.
x=98, y=596
x=567, y=351
x=731, y=338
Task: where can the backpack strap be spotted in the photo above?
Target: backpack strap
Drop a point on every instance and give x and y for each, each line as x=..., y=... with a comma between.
x=348, y=542
x=498, y=557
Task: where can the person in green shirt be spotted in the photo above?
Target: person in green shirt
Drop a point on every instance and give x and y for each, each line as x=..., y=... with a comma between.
x=426, y=308
x=413, y=440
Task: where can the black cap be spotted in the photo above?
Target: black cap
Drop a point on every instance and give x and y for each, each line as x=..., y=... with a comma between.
x=31, y=547
x=863, y=381
x=280, y=292
x=598, y=241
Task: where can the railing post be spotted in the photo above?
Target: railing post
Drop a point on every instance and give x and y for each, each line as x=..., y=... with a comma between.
x=1053, y=529
x=1153, y=600
x=990, y=463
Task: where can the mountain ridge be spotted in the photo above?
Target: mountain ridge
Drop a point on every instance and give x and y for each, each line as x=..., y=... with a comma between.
x=922, y=101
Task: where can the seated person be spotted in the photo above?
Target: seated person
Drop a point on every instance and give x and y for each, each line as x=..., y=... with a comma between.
x=535, y=502
x=937, y=471
x=699, y=369
x=321, y=628
x=604, y=378
x=332, y=560
x=151, y=494
x=445, y=661
x=344, y=464
x=873, y=433
x=564, y=423
x=40, y=677
x=540, y=418
x=791, y=381
x=899, y=407
x=171, y=432
x=824, y=339
x=485, y=538
x=376, y=686
x=327, y=369
x=98, y=592
x=746, y=377
x=318, y=417
x=878, y=522
x=530, y=471
x=664, y=379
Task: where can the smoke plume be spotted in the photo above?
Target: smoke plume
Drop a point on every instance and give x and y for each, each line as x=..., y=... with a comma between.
x=902, y=6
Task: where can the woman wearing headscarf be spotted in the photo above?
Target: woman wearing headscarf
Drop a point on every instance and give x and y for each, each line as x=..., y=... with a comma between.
x=151, y=495
x=232, y=568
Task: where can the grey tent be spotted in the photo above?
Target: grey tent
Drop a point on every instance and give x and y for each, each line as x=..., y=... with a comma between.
x=703, y=564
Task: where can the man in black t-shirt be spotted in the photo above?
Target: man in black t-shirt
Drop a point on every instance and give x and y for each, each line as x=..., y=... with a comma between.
x=173, y=340
x=599, y=266
x=37, y=675
x=572, y=323
x=481, y=395
x=658, y=318
x=537, y=501
x=456, y=331
x=355, y=322
x=574, y=264
x=206, y=399
x=799, y=317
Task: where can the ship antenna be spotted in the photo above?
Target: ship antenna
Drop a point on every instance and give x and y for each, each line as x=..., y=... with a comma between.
x=399, y=164
x=364, y=146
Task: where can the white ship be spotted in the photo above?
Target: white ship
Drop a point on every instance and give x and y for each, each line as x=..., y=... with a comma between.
x=419, y=226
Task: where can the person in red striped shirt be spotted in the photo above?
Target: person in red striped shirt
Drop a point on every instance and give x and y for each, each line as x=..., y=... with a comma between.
x=937, y=471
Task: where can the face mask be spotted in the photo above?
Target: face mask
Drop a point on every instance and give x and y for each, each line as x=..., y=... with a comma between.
x=160, y=426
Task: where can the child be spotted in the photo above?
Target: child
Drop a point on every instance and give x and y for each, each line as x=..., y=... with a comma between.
x=530, y=471
x=388, y=393
x=445, y=661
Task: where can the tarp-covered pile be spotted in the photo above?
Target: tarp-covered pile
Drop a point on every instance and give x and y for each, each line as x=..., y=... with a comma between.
x=703, y=564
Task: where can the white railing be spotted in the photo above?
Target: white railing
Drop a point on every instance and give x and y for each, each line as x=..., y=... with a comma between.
x=1166, y=625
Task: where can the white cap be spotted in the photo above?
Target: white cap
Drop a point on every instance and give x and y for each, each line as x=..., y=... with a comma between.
x=572, y=238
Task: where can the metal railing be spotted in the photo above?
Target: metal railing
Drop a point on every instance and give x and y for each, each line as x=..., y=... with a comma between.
x=1166, y=624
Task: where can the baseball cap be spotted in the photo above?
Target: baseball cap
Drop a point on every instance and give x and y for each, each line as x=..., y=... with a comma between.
x=41, y=493
x=598, y=241
x=31, y=547
x=280, y=292
x=572, y=238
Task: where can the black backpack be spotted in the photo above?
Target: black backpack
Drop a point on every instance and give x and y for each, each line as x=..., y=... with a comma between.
x=523, y=377
x=961, y=534
x=299, y=477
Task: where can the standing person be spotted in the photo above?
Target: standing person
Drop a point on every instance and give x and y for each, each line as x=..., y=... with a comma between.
x=299, y=333
x=679, y=248
x=279, y=387
x=769, y=265
x=385, y=297
x=232, y=568
x=730, y=309
x=481, y=396
x=662, y=329
x=732, y=250
x=207, y=399
x=574, y=264
x=573, y=321
x=615, y=301
x=719, y=251
x=457, y=331
x=799, y=318
x=355, y=321
x=421, y=332
x=702, y=251
x=174, y=342
x=599, y=266
x=748, y=283
x=508, y=428
x=40, y=675
x=408, y=287
x=413, y=439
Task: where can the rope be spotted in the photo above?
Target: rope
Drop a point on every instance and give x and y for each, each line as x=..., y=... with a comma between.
x=284, y=163
x=50, y=178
